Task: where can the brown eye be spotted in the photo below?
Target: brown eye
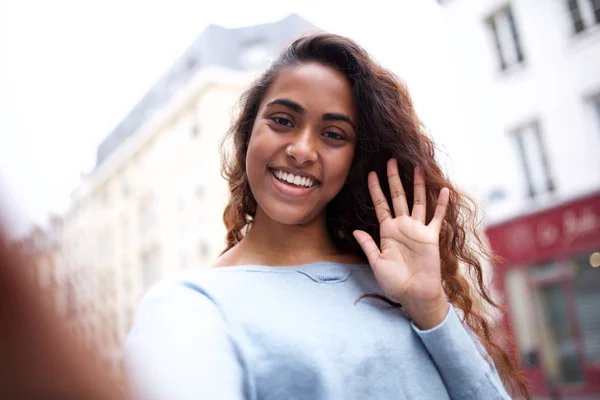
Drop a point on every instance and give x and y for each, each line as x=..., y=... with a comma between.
x=282, y=121
x=334, y=135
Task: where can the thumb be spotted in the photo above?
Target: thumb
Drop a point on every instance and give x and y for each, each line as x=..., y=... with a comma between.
x=368, y=246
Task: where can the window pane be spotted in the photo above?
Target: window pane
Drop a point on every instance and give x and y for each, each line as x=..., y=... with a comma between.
x=533, y=152
x=595, y=102
x=524, y=165
x=560, y=349
x=586, y=287
x=506, y=38
x=494, y=30
x=576, y=17
x=150, y=260
x=146, y=214
x=596, y=8
x=522, y=316
x=515, y=35
x=505, y=35
x=534, y=159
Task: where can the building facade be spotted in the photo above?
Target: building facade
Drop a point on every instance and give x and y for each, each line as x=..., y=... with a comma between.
x=153, y=204
x=530, y=88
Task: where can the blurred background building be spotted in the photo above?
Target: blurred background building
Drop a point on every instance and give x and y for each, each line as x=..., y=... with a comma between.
x=530, y=87
x=153, y=204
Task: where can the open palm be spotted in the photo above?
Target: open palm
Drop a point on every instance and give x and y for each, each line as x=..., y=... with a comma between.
x=407, y=264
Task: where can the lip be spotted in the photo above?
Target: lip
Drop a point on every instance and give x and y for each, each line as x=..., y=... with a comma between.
x=293, y=171
x=289, y=190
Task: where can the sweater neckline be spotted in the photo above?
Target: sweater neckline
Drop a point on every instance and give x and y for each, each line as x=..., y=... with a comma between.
x=320, y=271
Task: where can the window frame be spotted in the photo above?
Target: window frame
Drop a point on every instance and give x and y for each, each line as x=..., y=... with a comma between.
x=515, y=37
x=518, y=137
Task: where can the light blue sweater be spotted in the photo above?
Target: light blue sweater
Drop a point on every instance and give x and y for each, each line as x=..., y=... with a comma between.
x=296, y=333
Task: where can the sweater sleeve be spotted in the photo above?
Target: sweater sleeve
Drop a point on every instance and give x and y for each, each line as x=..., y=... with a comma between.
x=180, y=348
x=465, y=371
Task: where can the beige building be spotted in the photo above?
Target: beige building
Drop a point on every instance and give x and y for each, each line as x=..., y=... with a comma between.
x=153, y=204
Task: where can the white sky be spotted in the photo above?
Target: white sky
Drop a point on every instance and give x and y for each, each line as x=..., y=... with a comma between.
x=71, y=70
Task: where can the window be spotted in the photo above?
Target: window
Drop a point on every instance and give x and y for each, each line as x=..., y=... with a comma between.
x=126, y=282
x=125, y=189
x=534, y=160
x=195, y=129
x=506, y=38
x=587, y=298
x=255, y=54
x=146, y=214
x=204, y=250
x=584, y=14
x=596, y=10
x=182, y=258
x=558, y=332
x=595, y=105
x=543, y=324
x=576, y=18
x=200, y=191
x=104, y=196
x=125, y=235
x=150, y=262
x=522, y=315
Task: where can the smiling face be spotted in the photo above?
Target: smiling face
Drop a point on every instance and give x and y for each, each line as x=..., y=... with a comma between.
x=302, y=144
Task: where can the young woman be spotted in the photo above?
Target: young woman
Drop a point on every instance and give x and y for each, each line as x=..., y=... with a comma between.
x=341, y=275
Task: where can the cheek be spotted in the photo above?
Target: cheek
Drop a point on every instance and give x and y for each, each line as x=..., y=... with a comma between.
x=339, y=166
x=260, y=151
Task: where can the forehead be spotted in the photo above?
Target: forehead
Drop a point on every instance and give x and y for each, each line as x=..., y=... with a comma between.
x=317, y=88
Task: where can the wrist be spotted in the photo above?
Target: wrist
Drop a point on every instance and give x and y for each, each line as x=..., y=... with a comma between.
x=428, y=315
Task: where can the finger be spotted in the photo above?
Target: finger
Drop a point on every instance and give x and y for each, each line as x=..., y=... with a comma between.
x=368, y=246
x=396, y=188
x=382, y=208
x=440, y=209
x=420, y=203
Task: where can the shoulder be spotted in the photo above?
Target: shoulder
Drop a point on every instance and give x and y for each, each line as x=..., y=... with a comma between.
x=182, y=345
x=191, y=285
x=190, y=290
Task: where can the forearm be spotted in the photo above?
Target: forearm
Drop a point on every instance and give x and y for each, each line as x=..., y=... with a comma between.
x=465, y=371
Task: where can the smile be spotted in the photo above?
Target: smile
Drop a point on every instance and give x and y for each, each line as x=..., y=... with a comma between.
x=295, y=180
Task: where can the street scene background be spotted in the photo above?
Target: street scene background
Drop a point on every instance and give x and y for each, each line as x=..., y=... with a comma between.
x=111, y=116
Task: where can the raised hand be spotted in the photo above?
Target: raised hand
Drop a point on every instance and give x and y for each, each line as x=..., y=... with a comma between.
x=407, y=266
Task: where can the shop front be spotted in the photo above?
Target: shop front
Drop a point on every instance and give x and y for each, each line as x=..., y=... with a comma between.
x=550, y=279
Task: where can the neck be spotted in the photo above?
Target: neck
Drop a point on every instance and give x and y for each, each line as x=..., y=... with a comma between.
x=271, y=243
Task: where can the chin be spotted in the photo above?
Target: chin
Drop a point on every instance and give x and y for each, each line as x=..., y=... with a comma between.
x=286, y=215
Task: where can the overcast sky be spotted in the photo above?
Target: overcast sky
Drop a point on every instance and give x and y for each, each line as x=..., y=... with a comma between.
x=71, y=70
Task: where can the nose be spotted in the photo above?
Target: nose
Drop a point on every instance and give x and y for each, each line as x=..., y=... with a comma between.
x=303, y=148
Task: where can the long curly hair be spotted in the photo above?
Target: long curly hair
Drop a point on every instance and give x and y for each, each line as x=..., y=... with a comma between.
x=388, y=127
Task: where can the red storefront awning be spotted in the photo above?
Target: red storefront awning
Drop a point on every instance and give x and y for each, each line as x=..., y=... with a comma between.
x=567, y=229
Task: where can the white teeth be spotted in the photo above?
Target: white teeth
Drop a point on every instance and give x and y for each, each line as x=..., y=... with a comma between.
x=293, y=179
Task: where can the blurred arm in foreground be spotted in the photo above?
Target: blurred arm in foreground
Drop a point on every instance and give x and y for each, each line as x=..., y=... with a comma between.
x=39, y=357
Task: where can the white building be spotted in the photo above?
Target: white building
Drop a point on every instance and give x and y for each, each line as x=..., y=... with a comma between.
x=531, y=95
x=530, y=88
x=153, y=204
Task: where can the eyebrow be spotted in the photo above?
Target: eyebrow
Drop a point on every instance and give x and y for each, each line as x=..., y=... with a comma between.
x=289, y=104
x=301, y=110
x=338, y=117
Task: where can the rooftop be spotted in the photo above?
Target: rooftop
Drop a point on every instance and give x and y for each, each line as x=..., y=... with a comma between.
x=234, y=48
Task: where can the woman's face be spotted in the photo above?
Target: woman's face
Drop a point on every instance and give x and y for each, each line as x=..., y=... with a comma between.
x=302, y=143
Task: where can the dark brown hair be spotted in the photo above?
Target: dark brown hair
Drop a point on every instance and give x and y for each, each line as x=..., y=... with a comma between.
x=388, y=127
